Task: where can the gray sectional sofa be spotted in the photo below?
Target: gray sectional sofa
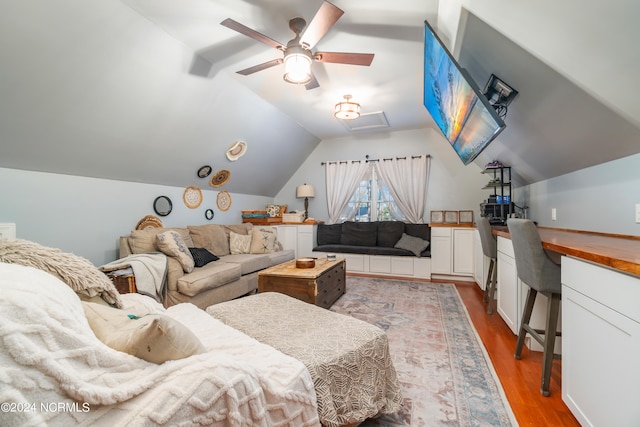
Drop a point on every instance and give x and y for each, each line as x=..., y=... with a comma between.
x=231, y=276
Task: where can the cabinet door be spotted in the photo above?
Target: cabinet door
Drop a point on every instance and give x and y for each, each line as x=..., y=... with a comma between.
x=600, y=369
x=480, y=262
x=440, y=254
x=462, y=251
x=508, y=290
x=305, y=240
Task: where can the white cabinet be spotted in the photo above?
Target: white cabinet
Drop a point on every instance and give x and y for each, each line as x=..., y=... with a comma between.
x=508, y=289
x=452, y=251
x=480, y=262
x=300, y=238
x=600, y=345
x=512, y=294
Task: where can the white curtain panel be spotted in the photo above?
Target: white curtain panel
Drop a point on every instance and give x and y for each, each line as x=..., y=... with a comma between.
x=342, y=180
x=406, y=179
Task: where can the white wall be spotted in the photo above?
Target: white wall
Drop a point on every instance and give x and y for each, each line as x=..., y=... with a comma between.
x=601, y=198
x=87, y=215
x=452, y=186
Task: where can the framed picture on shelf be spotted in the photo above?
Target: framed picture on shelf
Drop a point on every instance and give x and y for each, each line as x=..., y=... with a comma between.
x=451, y=217
x=437, y=217
x=465, y=217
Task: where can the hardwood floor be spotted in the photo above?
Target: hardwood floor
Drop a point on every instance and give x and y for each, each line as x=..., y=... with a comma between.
x=520, y=378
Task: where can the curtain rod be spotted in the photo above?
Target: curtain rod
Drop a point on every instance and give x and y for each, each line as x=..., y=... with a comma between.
x=374, y=160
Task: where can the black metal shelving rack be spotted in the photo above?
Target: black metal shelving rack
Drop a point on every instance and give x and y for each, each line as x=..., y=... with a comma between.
x=497, y=213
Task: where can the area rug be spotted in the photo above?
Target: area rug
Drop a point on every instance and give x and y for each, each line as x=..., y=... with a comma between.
x=441, y=363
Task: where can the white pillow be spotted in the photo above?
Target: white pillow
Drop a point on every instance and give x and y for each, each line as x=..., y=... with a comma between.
x=239, y=243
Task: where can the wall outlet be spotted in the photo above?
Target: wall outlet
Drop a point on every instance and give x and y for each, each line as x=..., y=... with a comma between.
x=553, y=214
x=637, y=213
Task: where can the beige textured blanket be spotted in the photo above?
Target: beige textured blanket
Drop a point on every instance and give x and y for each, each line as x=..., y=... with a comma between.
x=55, y=372
x=347, y=358
x=149, y=269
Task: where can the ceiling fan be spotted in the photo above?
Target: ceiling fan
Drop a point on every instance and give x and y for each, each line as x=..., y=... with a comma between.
x=297, y=52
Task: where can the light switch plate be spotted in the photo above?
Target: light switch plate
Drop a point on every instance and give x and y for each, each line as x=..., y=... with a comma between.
x=553, y=214
x=637, y=213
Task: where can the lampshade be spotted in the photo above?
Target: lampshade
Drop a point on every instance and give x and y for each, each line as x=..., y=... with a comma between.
x=305, y=190
x=347, y=109
x=297, y=66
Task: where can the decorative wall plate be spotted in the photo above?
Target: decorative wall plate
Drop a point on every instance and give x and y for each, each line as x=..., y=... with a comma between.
x=220, y=178
x=223, y=200
x=209, y=214
x=149, y=221
x=236, y=151
x=204, y=171
x=192, y=196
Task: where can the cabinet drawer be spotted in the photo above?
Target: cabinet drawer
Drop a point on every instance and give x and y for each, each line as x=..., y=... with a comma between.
x=330, y=286
x=402, y=265
x=379, y=264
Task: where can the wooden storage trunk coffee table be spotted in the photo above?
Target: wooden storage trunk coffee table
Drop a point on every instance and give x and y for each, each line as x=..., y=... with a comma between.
x=321, y=285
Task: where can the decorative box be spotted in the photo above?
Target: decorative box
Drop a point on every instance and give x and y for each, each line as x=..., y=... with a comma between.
x=293, y=217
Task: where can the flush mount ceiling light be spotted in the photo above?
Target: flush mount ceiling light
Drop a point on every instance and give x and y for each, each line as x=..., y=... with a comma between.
x=347, y=109
x=297, y=65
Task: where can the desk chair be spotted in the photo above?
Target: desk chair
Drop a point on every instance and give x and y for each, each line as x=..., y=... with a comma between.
x=490, y=250
x=542, y=275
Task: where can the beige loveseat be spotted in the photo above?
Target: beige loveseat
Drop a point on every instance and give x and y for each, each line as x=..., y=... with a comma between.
x=233, y=275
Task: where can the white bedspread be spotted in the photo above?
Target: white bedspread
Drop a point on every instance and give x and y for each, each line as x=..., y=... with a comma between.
x=49, y=356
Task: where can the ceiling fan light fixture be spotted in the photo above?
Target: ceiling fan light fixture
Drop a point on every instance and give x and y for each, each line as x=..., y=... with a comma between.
x=347, y=109
x=297, y=66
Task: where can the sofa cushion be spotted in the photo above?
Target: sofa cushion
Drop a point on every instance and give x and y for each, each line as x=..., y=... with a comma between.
x=329, y=234
x=389, y=232
x=155, y=338
x=211, y=237
x=413, y=244
x=144, y=241
x=279, y=257
x=248, y=263
x=202, y=257
x=210, y=276
x=171, y=244
x=263, y=240
x=239, y=243
x=359, y=233
x=422, y=231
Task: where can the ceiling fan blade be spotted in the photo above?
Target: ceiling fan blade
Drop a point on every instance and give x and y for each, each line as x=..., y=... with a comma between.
x=313, y=83
x=323, y=20
x=243, y=29
x=345, y=58
x=260, y=67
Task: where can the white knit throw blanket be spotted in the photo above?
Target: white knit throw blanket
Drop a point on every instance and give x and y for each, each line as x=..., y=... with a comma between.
x=77, y=272
x=49, y=355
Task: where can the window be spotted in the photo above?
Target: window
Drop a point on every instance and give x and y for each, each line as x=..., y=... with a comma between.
x=371, y=202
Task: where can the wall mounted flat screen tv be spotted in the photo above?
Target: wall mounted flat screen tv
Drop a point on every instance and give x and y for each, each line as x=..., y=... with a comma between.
x=455, y=102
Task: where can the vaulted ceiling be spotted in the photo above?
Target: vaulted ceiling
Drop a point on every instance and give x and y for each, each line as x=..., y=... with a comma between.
x=147, y=90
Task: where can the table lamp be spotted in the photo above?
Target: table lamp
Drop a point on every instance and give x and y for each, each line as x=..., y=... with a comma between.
x=305, y=191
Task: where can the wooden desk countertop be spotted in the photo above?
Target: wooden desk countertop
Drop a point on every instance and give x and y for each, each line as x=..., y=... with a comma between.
x=615, y=251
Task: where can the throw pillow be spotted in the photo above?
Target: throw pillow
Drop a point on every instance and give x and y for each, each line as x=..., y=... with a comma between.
x=263, y=240
x=77, y=272
x=155, y=338
x=239, y=243
x=171, y=244
x=411, y=243
x=201, y=256
x=273, y=209
x=211, y=237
